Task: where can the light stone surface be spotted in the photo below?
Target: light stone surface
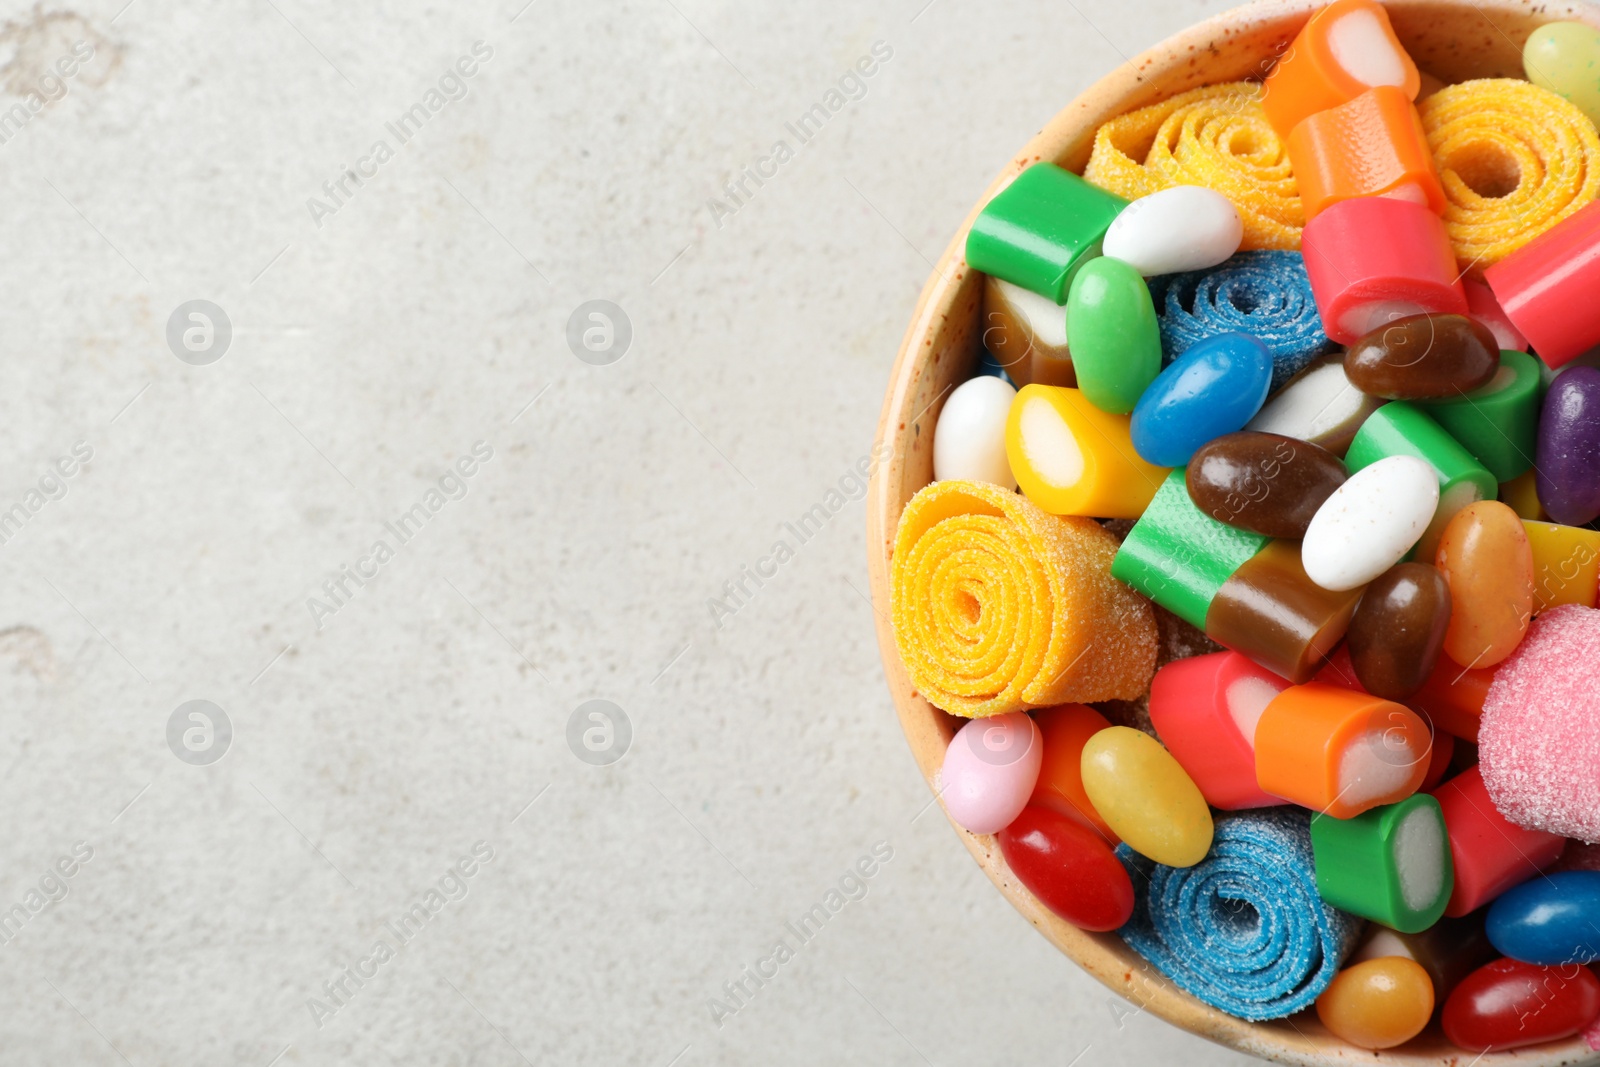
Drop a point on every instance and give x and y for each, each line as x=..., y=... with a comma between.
x=371, y=348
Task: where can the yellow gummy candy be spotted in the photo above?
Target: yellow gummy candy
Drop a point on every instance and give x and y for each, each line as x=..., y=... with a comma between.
x=1217, y=137
x=1514, y=160
x=999, y=607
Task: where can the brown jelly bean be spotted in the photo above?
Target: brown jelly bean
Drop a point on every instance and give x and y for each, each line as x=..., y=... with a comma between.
x=1263, y=482
x=1270, y=611
x=1424, y=357
x=1398, y=631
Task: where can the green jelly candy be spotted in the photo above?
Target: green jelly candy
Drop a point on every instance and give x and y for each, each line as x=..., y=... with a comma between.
x=1113, y=334
x=1390, y=864
x=1040, y=229
x=1564, y=57
x=1499, y=422
x=1179, y=556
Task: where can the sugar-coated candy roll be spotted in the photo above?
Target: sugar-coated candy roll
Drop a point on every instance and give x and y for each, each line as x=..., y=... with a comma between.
x=1372, y=260
x=1339, y=751
x=1318, y=405
x=1217, y=137
x=1205, y=709
x=1264, y=294
x=1027, y=334
x=1371, y=146
x=1039, y=229
x=1489, y=852
x=1179, y=556
x=1071, y=458
x=1344, y=50
x=998, y=606
x=1545, y=287
x=989, y=771
x=1270, y=611
x=1193, y=923
x=1566, y=564
x=969, y=440
x=1514, y=160
x=1539, y=741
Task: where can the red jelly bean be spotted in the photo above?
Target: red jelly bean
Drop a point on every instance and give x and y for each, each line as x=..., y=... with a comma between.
x=1507, y=1004
x=1069, y=868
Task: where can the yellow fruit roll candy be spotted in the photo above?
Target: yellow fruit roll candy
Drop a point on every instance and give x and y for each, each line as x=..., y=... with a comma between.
x=1071, y=458
x=999, y=607
x=1217, y=137
x=1514, y=160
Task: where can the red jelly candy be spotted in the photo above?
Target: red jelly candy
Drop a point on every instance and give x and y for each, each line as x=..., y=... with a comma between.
x=1507, y=1004
x=1069, y=868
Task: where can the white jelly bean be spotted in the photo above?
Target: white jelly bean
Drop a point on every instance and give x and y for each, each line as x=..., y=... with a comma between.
x=1186, y=227
x=1370, y=522
x=969, y=442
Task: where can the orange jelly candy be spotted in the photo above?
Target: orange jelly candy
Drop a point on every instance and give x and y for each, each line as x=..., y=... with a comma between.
x=1060, y=787
x=1345, y=49
x=1485, y=556
x=1371, y=146
x=1378, y=1004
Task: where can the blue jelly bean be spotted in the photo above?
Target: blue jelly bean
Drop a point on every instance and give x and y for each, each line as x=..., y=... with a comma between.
x=1550, y=921
x=1212, y=389
x=1264, y=294
x=989, y=366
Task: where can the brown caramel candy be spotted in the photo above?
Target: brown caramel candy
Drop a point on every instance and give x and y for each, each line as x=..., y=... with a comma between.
x=1424, y=357
x=1271, y=612
x=1027, y=333
x=1398, y=631
x=1263, y=482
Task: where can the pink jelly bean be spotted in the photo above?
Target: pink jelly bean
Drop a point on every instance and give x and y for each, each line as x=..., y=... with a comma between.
x=990, y=770
x=1205, y=710
x=1539, y=739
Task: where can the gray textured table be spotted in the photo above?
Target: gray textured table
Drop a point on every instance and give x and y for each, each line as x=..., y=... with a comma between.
x=368, y=505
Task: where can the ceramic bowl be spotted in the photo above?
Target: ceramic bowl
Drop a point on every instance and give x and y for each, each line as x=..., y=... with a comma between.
x=1453, y=41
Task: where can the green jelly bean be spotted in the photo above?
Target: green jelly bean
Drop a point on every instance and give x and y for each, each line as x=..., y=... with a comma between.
x=1564, y=57
x=1498, y=422
x=1179, y=556
x=1390, y=864
x=1112, y=334
x=1040, y=229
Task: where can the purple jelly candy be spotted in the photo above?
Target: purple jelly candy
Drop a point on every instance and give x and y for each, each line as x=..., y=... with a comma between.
x=1568, y=461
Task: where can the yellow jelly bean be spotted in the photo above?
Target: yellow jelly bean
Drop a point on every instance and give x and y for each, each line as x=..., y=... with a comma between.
x=1218, y=137
x=1561, y=57
x=1146, y=797
x=1071, y=458
x=1566, y=564
x=1521, y=494
x=1514, y=160
x=1485, y=557
x=1378, y=1004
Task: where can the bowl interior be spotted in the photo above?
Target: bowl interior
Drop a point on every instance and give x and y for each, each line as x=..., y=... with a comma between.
x=1453, y=40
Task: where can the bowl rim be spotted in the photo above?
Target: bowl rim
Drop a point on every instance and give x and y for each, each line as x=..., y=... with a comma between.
x=1065, y=139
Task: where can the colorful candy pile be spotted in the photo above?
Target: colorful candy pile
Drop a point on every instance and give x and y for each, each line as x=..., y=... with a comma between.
x=1284, y=492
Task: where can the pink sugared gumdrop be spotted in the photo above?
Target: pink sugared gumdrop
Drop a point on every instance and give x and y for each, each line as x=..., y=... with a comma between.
x=1539, y=742
x=990, y=770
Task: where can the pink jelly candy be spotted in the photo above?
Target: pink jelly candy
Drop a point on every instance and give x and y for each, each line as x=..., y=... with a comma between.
x=1539, y=741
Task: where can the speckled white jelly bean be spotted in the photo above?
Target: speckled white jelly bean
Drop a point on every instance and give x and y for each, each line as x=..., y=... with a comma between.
x=1183, y=228
x=969, y=442
x=1370, y=522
